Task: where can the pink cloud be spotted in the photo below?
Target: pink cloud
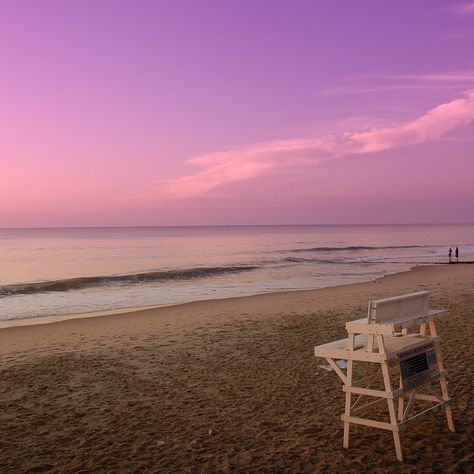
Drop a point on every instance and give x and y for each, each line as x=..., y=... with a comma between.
x=466, y=8
x=237, y=165
x=441, y=77
x=370, y=83
x=432, y=125
x=393, y=88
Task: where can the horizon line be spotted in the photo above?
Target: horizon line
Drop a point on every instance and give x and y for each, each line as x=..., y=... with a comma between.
x=235, y=225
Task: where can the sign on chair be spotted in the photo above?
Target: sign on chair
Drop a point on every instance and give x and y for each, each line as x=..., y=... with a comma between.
x=418, y=366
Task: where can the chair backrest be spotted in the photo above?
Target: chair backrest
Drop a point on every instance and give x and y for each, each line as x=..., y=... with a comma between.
x=397, y=308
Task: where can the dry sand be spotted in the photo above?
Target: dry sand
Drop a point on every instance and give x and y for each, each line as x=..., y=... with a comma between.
x=138, y=392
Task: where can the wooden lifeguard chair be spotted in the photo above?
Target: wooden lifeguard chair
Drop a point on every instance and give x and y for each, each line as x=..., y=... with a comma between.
x=399, y=336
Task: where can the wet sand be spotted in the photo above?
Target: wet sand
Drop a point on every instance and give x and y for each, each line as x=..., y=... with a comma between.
x=138, y=392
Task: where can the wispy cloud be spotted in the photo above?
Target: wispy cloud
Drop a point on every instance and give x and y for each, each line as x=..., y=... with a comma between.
x=456, y=35
x=393, y=88
x=373, y=83
x=219, y=168
x=465, y=8
x=432, y=125
x=435, y=77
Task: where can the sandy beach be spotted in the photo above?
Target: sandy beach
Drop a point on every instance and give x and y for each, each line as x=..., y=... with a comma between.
x=139, y=391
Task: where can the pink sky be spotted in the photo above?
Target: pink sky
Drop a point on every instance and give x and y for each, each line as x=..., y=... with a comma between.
x=250, y=112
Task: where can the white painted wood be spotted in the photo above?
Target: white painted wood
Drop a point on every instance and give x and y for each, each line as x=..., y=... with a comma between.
x=442, y=379
x=394, y=344
x=398, y=307
x=347, y=412
x=368, y=422
x=390, y=402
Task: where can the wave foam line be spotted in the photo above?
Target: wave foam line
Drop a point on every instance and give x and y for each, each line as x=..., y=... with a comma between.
x=97, y=281
x=356, y=247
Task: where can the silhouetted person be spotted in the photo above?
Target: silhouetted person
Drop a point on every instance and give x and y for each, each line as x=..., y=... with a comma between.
x=450, y=253
x=456, y=253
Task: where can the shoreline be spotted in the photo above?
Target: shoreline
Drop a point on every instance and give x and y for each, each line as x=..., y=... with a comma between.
x=40, y=320
x=209, y=312
x=13, y=323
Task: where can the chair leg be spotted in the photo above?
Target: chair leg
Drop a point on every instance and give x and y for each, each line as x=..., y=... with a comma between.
x=390, y=402
x=442, y=379
x=347, y=410
x=401, y=403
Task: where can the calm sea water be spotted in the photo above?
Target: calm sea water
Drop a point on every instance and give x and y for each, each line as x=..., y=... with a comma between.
x=48, y=272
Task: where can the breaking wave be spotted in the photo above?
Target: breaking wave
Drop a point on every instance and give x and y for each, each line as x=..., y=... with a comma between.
x=355, y=248
x=98, y=281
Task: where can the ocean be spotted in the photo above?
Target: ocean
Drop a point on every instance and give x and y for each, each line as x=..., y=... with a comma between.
x=64, y=271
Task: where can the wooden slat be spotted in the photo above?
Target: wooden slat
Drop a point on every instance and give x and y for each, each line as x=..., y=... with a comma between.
x=393, y=344
x=373, y=393
x=368, y=422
